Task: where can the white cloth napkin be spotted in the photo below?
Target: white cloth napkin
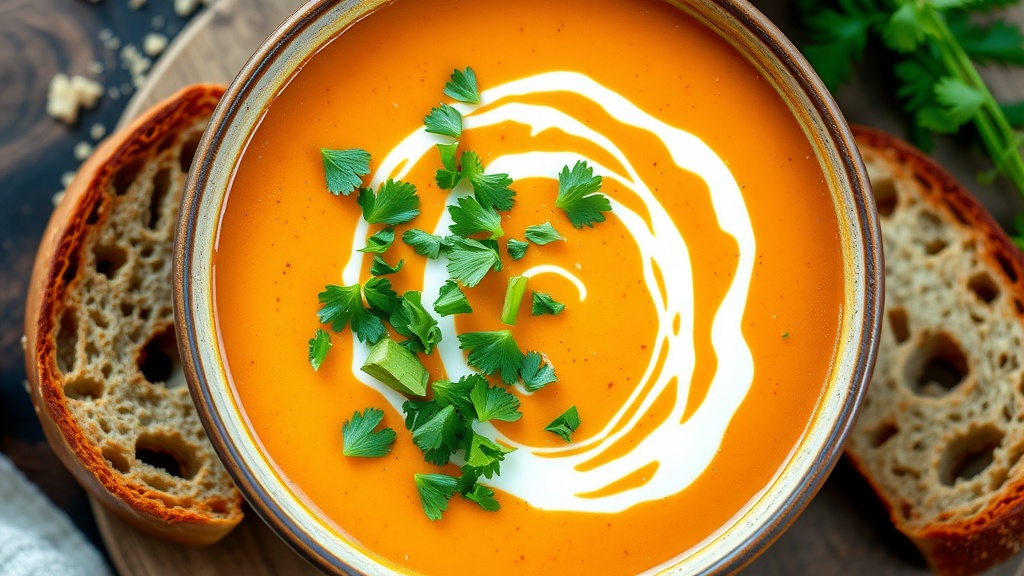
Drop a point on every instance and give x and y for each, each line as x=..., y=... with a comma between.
x=37, y=539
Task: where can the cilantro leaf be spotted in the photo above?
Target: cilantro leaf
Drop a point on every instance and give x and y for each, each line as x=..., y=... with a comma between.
x=839, y=38
x=484, y=497
x=450, y=175
x=484, y=456
x=412, y=319
x=342, y=305
x=319, y=344
x=359, y=438
x=462, y=86
x=541, y=234
x=395, y=202
x=343, y=169
x=444, y=120
x=493, y=403
x=381, y=268
x=470, y=217
x=996, y=42
x=379, y=242
x=470, y=260
x=419, y=411
x=565, y=425
x=543, y=303
x=491, y=190
x=492, y=352
x=578, y=195
x=535, y=373
x=439, y=436
x=382, y=299
x=961, y=101
x=516, y=248
x=456, y=394
x=451, y=300
x=435, y=491
x=423, y=243
x=904, y=31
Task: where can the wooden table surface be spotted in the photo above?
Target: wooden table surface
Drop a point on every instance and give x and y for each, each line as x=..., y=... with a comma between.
x=843, y=531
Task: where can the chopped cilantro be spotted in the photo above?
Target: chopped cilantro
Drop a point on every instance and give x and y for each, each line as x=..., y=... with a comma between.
x=543, y=303
x=381, y=268
x=379, y=295
x=492, y=352
x=491, y=190
x=359, y=438
x=419, y=411
x=444, y=120
x=440, y=436
x=342, y=305
x=457, y=393
x=395, y=202
x=535, y=373
x=484, y=456
x=513, y=298
x=448, y=176
x=451, y=300
x=493, y=403
x=516, y=248
x=462, y=86
x=470, y=260
x=424, y=244
x=565, y=425
x=541, y=234
x=343, y=169
x=319, y=344
x=484, y=497
x=412, y=319
x=578, y=195
x=435, y=491
x=470, y=217
x=379, y=242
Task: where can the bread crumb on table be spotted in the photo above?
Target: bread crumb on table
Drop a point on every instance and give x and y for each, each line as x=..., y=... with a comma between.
x=154, y=44
x=97, y=131
x=66, y=96
x=83, y=150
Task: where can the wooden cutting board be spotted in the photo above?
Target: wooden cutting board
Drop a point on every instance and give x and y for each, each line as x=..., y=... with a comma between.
x=843, y=531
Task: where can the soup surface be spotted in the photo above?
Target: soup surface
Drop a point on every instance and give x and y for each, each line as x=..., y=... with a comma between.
x=701, y=318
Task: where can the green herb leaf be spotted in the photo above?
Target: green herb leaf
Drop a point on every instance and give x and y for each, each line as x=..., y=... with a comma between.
x=961, y=101
x=470, y=217
x=492, y=352
x=435, y=491
x=491, y=190
x=381, y=268
x=419, y=411
x=444, y=120
x=470, y=260
x=450, y=175
x=396, y=367
x=412, y=319
x=484, y=497
x=457, y=394
x=440, y=430
x=514, y=291
x=838, y=38
x=543, y=303
x=380, y=241
x=535, y=373
x=342, y=305
x=565, y=425
x=541, y=234
x=424, y=244
x=516, y=248
x=493, y=403
x=904, y=32
x=359, y=438
x=382, y=299
x=578, y=195
x=462, y=86
x=395, y=202
x=344, y=169
x=484, y=456
x=319, y=344
x=451, y=300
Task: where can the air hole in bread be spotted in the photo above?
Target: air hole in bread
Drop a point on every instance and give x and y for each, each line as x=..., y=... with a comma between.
x=188, y=151
x=110, y=259
x=127, y=174
x=99, y=319
x=167, y=142
x=67, y=340
x=882, y=434
x=900, y=324
x=164, y=453
x=218, y=506
x=71, y=270
x=984, y=287
x=83, y=388
x=146, y=252
x=936, y=367
x=94, y=214
x=159, y=361
x=161, y=188
x=117, y=458
x=885, y=196
x=970, y=454
x=935, y=246
x=1007, y=266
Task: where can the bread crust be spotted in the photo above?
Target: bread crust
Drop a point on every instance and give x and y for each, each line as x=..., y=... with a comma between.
x=85, y=206
x=965, y=542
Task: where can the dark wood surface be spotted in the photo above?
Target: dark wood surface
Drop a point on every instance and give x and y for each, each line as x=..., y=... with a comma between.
x=843, y=531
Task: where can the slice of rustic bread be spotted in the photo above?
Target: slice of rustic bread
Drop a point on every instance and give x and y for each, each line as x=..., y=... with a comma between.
x=101, y=353
x=941, y=433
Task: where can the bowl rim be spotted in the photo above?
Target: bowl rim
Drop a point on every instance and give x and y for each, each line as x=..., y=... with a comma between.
x=751, y=27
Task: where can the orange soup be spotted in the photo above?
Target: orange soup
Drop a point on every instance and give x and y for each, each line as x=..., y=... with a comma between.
x=701, y=317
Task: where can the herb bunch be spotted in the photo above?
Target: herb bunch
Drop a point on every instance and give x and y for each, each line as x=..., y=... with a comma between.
x=441, y=415
x=937, y=48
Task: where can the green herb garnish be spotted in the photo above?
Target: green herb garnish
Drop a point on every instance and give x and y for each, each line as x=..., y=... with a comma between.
x=493, y=403
x=396, y=367
x=435, y=491
x=578, y=195
x=451, y=300
x=380, y=297
x=469, y=260
x=379, y=242
x=343, y=305
x=344, y=169
x=444, y=120
x=541, y=234
x=319, y=345
x=394, y=203
x=565, y=425
x=513, y=298
x=359, y=439
x=412, y=319
x=449, y=175
x=535, y=373
x=543, y=303
x=492, y=352
x=470, y=217
x=516, y=248
x=424, y=244
x=491, y=190
x=462, y=86
x=381, y=268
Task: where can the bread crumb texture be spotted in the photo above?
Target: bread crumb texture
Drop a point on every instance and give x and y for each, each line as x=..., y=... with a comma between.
x=941, y=433
x=67, y=95
x=116, y=352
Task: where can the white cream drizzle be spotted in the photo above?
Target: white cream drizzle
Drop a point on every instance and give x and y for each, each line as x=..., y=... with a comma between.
x=551, y=478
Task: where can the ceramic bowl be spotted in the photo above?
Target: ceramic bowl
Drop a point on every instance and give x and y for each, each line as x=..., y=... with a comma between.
x=241, y=110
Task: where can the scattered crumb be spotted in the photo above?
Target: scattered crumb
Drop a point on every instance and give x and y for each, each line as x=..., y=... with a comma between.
x=66, y=178
x=113, y=92
x=24, y=346
x=157, y=22
x=83, y=150
x=110, y=42
x=67, y=96
x=154, y=44
x=97, y=131
x=185, y=8
x=57, y=198
x=136, y=4
x=95, y=68
x=126, y=89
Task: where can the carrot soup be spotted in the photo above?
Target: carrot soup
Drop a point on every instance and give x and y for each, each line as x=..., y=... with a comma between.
x=701, y=316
